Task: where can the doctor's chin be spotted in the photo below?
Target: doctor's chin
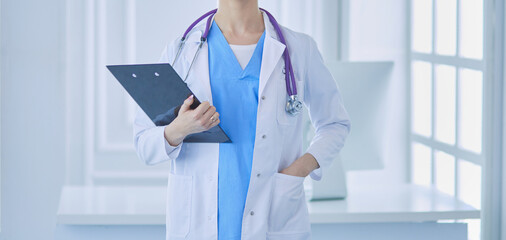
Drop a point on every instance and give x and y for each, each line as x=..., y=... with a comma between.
x=252, y=120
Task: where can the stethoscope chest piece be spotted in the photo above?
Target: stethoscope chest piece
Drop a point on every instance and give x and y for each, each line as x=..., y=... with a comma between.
x=293, y=105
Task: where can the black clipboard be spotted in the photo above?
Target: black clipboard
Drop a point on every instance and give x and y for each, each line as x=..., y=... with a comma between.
x=159, y=91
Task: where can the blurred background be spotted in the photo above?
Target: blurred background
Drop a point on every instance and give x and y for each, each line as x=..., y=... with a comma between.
x=435, y=120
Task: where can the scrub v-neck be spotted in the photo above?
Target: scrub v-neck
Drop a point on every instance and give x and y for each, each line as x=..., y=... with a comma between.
x=228, y=56
x=243, y=53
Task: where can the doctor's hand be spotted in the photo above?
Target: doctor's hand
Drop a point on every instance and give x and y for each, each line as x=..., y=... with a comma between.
x=189, y=121
x=302, y=167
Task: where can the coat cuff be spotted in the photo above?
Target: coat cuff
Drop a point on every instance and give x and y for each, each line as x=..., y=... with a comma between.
x=171, y=151
x=316, y=174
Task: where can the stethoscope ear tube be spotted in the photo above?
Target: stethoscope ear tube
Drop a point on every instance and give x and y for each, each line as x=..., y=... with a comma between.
x=180, y=47
x=202, y=40
x=293, y=105
x=212, y=12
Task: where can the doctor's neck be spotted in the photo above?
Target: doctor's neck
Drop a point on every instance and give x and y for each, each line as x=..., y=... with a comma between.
x=240, y=21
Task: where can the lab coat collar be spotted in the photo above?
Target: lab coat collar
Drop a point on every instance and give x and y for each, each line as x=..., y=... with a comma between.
x=272, y=52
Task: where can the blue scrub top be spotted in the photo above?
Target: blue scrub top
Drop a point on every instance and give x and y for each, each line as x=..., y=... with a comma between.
x=235, y=96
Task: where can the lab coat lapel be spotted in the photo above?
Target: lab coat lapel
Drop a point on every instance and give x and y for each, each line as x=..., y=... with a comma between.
x=272, y=52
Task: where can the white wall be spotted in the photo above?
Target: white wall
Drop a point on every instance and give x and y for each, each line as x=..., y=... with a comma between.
x=317, y=18
x=32, y=98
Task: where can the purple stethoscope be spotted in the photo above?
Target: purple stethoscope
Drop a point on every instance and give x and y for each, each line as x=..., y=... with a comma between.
x=293, y=105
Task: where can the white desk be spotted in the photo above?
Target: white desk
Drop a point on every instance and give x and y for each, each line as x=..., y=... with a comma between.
x=365, y=205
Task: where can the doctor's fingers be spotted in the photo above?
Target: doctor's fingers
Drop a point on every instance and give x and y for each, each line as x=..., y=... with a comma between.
x=210, y=111
x=213, y=120
x=208, y=116
x=186, y=104
x=201, y=109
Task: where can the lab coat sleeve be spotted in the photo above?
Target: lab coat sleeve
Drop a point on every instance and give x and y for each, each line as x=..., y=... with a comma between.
x=149, y=140
x=326, y=111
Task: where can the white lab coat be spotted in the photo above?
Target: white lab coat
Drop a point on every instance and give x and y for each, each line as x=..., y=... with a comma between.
x=275, y=206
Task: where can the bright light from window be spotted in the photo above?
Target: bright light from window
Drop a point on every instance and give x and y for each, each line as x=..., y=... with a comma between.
x=473, y=229
x=446, y=27
x=445, y=103
x=469, y=183
x=445, y=172
x=422, y=26
x=470, y=109
x=422, y=98
x=471, y=29
x=422, y=166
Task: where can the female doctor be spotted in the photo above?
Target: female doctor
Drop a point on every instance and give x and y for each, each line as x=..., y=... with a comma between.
x=252, y=77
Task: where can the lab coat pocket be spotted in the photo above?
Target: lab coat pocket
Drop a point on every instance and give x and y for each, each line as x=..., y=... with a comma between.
x=179, y=201
x=288, y=216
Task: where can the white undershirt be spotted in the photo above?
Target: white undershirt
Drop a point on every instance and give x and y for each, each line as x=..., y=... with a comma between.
x=243, y=53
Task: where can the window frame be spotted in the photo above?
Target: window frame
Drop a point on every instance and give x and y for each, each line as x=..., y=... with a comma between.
x=493, y=175
x=458, y=62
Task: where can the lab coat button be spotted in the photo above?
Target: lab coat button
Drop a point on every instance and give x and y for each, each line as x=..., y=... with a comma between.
x=258, y=174
x=251, y=213
x=264, y=136
x=263, y=97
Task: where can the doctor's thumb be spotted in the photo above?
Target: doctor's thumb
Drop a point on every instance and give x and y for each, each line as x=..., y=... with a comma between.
x=186, y=104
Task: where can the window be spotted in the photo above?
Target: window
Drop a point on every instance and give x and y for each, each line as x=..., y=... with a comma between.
x=447, y=82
